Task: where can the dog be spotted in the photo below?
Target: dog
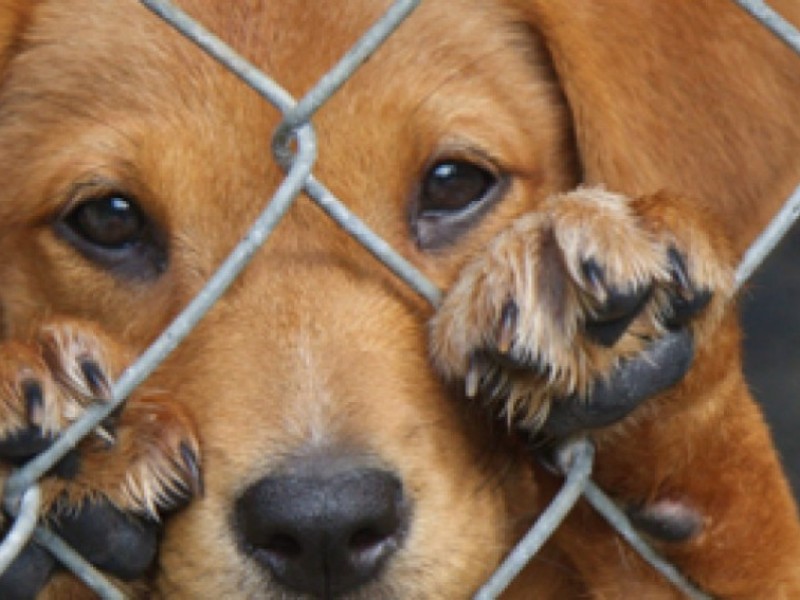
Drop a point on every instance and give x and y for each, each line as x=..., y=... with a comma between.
x=581, y=179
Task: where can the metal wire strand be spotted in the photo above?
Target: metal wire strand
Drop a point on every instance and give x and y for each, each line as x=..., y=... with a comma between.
x=374, y=37
x=576, y=459
x=617, y=519
x=21, y=494
x=372, y=242
x=769, y=238
x=773, y=21
x=93, y=578
x=300, y=112
x=25, y=515
x=790, y=212
x=216, y=48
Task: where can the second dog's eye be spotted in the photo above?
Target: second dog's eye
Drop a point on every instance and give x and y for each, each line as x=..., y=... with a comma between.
x=113, y=222
x=453, y=186
x=452, y=197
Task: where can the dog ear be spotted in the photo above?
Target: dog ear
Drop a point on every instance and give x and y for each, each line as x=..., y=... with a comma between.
x=696, y=97
x=14, y=17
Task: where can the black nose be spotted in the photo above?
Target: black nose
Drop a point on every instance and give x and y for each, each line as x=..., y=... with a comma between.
x=322, y=527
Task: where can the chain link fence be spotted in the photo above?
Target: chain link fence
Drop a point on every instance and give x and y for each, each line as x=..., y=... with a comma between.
x=294, y=148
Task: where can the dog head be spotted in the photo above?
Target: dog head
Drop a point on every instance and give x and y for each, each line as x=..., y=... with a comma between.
x=132, y=163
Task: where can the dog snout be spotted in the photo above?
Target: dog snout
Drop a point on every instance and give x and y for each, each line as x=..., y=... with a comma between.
x=323, y=529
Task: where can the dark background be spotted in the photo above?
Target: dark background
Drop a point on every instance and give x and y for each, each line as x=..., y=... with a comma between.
x=771, y=314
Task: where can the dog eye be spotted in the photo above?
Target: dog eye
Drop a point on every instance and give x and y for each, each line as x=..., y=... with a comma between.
x=452, y=196
x=113, y=222
x=112, y=231
x=454, y=185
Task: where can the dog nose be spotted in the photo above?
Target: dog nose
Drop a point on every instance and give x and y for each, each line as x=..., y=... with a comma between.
x=323, y=532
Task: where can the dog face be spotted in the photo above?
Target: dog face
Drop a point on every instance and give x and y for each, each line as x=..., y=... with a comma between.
x=134, y=163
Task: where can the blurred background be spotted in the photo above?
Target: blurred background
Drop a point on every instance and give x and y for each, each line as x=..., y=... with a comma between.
x=771, y=314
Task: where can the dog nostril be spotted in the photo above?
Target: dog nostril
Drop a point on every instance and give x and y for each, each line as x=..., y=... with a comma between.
x=366, y=539
x=323, y=531
x=283, y=546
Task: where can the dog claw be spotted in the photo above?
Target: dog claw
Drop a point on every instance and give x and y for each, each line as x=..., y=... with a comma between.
x=617, y=308
x=191, y=465
x=98, y=383
x=105, y=435
x=596, y=277
x=683, y=310
x=472, y=380
x=678, y=270
x=619, y=311
x=34, y=401
x=685, y=301
x=508, y=326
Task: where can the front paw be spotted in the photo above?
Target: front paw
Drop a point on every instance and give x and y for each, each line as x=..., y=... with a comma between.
x=106, y=496
x=584, y=308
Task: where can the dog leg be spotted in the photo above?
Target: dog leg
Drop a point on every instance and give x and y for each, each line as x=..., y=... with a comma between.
x=105, y=496
x=576, y=315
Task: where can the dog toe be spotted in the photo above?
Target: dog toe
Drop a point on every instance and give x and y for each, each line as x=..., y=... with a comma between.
x=667, y=520
x=611, y=319
x=115, y=542
x=686, y=300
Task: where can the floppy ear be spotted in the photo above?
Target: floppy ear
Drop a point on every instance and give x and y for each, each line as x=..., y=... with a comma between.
x=692, y=96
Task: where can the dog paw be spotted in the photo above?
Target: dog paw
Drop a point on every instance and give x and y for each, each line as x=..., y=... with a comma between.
x=143, y=459
x=119, y=544
x=109, y=491
x=584, y=308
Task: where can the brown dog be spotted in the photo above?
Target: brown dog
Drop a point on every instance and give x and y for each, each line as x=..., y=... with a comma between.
x=336, y=463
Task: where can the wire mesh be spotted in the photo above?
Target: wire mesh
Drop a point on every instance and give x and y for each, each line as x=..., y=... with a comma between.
x=294, y=148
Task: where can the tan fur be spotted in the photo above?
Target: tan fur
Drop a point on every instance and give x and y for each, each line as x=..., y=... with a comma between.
x=317, y=346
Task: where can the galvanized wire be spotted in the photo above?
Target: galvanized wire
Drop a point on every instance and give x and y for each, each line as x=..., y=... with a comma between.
x=348, y=221
x=299, y=169
x=769, y=238
x=21, y=494
x=341, y=72
x=93, y=578
x=619, y=521
x=296, y=113
x=790, y=212
x=222, y=52
x=772, y=21
x=25, y=515
x=575, y=459
x=181, y=326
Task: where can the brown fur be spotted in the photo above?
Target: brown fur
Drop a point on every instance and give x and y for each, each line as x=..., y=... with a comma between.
x=316, y=346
